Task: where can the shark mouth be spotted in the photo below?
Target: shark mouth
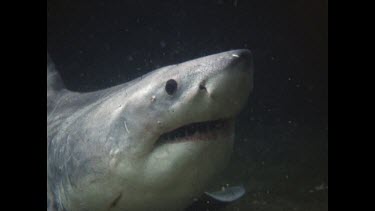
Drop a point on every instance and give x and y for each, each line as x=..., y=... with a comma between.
x=209, y=130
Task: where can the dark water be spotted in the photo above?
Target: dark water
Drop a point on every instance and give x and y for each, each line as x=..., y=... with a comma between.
x=281, y=150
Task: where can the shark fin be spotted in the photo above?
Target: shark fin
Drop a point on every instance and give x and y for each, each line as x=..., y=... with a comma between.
x=54, y=85
x=54, y=82
x=227, y=194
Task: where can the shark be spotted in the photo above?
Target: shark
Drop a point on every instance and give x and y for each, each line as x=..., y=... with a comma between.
x=154, y=143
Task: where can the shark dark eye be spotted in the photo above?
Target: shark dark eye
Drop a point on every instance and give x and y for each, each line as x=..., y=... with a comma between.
x=171, y=86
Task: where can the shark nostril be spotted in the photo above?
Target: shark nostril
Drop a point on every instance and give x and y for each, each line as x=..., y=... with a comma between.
x=202, y=86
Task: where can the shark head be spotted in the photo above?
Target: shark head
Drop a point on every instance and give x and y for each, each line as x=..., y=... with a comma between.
x=157, y=141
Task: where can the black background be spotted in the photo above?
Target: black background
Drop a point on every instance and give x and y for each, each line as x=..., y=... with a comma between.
x=97, y=44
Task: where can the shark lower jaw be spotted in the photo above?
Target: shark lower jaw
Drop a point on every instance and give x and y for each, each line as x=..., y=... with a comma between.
x=199, y=131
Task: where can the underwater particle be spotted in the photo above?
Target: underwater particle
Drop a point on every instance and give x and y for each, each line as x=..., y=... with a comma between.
x=163, y=44
x=320, y=187
x=130, y=58
x=107, y=47
x=153, y=98
x=235, y=3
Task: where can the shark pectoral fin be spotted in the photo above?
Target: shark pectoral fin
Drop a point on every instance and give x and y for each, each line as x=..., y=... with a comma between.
x=228, y=194
x=217, y=200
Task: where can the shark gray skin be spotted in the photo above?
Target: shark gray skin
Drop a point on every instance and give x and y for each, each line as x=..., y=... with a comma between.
x=154, y=143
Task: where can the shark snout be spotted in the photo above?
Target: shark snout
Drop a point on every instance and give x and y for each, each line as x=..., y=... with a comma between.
x=228, y=85
x=240, y=60
x=241, y=53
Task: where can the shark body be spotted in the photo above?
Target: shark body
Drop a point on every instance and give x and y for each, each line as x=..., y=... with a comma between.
x=154, y=143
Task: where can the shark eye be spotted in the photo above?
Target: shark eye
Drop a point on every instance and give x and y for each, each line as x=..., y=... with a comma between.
x=171, y=86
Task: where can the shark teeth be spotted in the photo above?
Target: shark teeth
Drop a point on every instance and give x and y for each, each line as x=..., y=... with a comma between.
x=195, y=131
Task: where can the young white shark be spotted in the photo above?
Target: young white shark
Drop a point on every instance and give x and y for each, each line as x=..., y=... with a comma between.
x=154, y=143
